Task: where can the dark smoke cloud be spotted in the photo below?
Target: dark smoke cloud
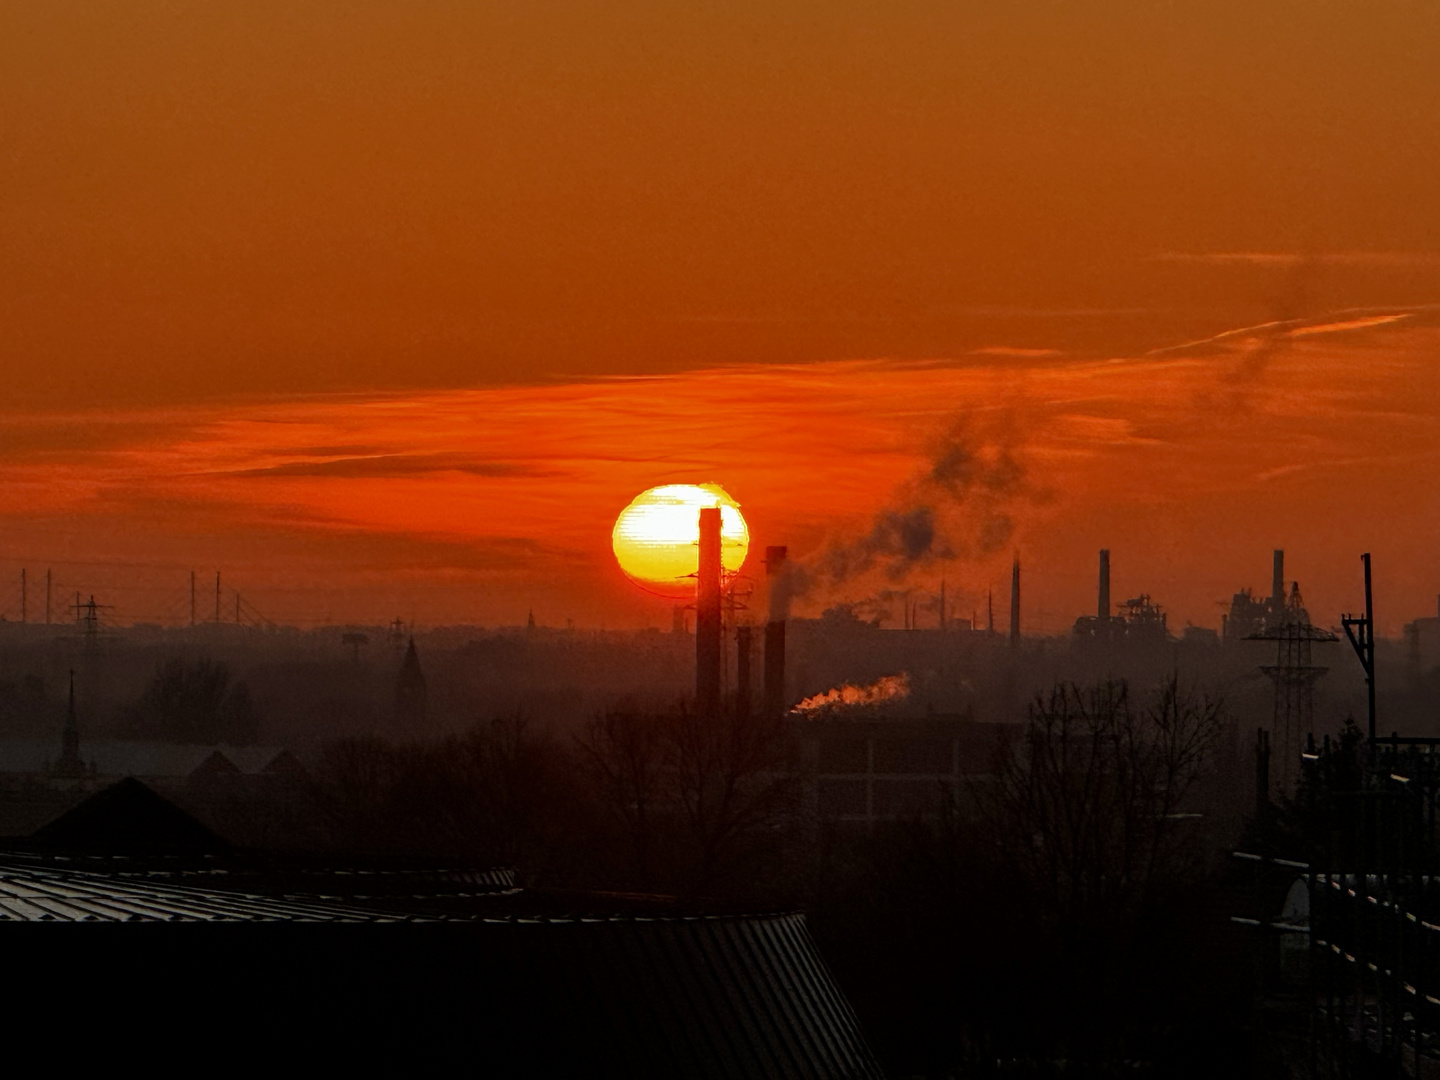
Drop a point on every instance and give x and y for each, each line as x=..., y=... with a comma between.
x=958, y=506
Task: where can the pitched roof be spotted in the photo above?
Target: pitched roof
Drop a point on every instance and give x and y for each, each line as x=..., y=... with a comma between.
x=118, y=757
x=127, y=817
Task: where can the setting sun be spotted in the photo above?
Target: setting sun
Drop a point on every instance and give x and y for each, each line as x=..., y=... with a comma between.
x=656, y=536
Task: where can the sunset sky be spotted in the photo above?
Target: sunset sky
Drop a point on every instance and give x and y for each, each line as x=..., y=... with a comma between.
x=389, y=308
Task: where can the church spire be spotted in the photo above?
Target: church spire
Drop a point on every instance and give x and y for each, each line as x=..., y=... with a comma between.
x=410, y=692
x=70, y=766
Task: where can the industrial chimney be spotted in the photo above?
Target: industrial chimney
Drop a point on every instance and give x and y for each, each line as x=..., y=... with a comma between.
x=775, y=631
x=1277, y=579
x=1102, y=611
x=1015, y=602
x=707, y=615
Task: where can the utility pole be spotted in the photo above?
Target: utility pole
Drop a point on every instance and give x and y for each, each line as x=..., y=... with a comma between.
x=1361, y=632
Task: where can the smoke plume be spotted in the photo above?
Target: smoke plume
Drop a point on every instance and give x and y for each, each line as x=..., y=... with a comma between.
x=890, y=688
x=958, y=506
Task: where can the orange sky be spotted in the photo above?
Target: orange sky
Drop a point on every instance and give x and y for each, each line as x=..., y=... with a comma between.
x=1189, y=464
x=388, y=308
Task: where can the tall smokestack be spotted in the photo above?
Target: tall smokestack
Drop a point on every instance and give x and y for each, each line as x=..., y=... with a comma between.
x=742, y=672
x=1102, y=610
x=1015, y=601
x=1277, y=578
x=707, y=615
x=775, y=631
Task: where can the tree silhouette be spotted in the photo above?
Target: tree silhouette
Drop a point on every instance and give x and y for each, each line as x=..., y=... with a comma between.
x=193, y=703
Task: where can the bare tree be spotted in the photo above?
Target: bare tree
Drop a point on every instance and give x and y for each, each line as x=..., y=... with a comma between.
x=729, y=785
x=625, y=753
x=690, y=791
x=353, y=781
x=1093, y=799
x=1097, y=849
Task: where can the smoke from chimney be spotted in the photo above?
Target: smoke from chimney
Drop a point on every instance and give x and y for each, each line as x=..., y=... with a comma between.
x=957, y=506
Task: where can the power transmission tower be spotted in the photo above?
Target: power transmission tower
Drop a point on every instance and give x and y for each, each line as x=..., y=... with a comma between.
x=87, y=616
x=1294, y=676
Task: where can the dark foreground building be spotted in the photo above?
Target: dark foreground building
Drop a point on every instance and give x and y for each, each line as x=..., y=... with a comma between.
x=132, y=933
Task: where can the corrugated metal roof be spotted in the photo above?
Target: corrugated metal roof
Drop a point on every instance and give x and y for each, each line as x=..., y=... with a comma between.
x=703, y=996
x=648, y=994
x=49, y=894
x=695, y=996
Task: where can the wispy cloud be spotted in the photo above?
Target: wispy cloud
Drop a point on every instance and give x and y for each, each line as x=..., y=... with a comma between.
x=1011, y=350
x=1343, y=325
x=1283, y=328
x=379, y=466
x=1282, y=260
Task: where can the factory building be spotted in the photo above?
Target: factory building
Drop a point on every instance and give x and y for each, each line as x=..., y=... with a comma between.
x=857, y=774
x=1250, y=615
x=1139, y=621
x=1422, y=641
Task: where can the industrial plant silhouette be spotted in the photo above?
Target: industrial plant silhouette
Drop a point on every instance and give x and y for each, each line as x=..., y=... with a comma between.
x=890, y=852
